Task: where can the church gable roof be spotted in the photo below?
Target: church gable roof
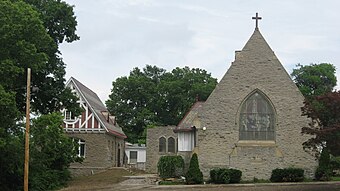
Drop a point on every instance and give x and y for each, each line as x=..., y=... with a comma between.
x=255, y=67
x=98, y=108
x=256, y=57
x=188, y=121
x=257, y=44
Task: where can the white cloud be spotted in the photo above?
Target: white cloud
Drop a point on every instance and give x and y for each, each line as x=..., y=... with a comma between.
x=117, y=35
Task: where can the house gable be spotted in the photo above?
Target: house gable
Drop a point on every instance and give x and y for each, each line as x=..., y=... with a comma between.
x=95, y=117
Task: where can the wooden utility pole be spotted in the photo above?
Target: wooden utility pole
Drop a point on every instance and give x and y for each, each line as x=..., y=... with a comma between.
x=27, y=135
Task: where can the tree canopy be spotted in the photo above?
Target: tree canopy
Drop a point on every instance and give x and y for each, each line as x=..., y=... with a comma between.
x=30, y=34
x=26, y=43
x=153, y=96
x=316, y=82
x=51, y=153
x=58, y=18
x=314, y=79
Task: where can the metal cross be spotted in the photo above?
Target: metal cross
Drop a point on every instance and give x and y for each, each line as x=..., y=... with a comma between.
x=257, y=18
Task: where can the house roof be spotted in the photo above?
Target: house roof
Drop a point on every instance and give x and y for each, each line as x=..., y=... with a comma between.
x=187, y=123
x=135, y=146
x=98, y=109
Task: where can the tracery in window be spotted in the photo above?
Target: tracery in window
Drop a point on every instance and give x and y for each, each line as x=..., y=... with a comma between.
x=257, y=118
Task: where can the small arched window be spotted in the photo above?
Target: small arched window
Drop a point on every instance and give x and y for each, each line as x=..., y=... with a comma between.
x=171, y=145
x=162, y=144
x=257, y=118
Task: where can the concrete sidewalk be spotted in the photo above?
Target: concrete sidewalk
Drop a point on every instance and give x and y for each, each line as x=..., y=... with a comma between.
x=310, y=186
x=140, y=184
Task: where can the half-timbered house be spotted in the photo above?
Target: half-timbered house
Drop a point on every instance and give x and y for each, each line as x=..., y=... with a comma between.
x=101, y=140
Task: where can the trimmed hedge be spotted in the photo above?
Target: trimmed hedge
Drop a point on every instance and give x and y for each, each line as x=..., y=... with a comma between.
x=287, y=175
x=170, y=166
x=225, y=176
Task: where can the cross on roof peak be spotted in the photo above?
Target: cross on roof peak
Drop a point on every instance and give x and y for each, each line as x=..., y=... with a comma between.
x=257, y=18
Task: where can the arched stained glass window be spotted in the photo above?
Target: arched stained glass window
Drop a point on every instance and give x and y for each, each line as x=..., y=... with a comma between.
x=171, y=145
x=162, y=144
x=257, y=118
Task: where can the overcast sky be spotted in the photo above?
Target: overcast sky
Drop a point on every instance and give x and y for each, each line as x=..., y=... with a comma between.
x=118, y=35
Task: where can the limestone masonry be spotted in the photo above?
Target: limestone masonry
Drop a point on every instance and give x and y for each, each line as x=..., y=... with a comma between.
x=252, y=120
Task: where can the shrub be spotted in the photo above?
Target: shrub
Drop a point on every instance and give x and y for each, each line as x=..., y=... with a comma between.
x=325, y=159
x=287, y=175
x=335, y=163
x=214, y=175
x=225, y=176
x=324, y=172
x=235, y=175
x=194, y=174
x=170, y=166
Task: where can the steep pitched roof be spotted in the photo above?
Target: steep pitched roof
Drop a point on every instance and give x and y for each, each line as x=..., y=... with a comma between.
x=187, y=123
x=257, y=54
x=98, y=108
x=255, y=68
x=258, y=46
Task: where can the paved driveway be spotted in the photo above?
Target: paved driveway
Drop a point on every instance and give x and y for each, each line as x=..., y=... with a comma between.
x=312, y=186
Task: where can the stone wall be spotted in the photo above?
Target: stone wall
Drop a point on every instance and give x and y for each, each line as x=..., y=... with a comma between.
x=152, y=145
x=256, y=68
x=101, y=152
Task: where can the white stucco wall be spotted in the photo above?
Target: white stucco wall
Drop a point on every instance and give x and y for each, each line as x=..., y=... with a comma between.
x=141, y=154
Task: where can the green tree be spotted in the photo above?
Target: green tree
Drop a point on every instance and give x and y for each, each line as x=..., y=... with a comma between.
x=179, y=89
x=60, y=24
x=27, y=42
x=51, y=153
x=11, y=141
x=316, y=82
x=315, y=79
x=324, y=170
x=153, y=96
x=131, y=98
x=58, y=18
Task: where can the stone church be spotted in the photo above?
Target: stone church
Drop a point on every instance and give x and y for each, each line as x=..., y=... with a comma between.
x=251, y=121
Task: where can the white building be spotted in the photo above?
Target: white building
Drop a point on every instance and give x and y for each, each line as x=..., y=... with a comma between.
x=136, y=155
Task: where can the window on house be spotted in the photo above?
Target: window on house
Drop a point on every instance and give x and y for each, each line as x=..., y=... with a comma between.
x=162, y=144
x=257, y=118
x=171, y=145
x=68, y=115
x=81, y=147
x=133, y=157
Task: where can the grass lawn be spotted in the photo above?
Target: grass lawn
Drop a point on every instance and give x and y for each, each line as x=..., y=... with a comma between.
x=96, y=181
x=335, y=178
